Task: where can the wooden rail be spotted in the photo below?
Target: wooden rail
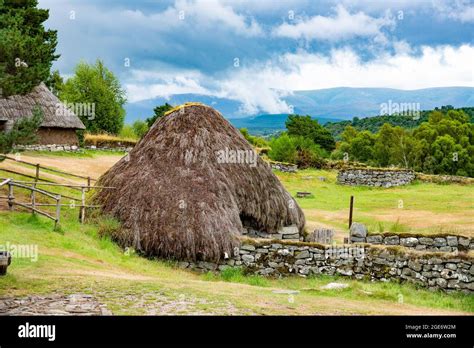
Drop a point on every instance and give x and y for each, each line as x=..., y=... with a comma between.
x=39, y=167
x=33, y=206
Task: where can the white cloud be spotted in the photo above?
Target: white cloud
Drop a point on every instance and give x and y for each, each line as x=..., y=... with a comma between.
x=261, y=87
x=459, y=10
x=342, y=26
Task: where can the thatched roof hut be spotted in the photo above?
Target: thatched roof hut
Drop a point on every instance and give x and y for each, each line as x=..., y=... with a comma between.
x=188, y=187
x=59, y=123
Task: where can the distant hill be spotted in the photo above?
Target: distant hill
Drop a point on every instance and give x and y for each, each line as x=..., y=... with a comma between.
x=269, y=123
x=334, y=103
x=374, y=123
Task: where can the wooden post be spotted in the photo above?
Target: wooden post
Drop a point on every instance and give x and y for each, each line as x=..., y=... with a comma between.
x=11, y=198
x=37, y=172
x=33, y=198
x=82, y=211
x=58, y=211
x=88, y=183
x=350, y=211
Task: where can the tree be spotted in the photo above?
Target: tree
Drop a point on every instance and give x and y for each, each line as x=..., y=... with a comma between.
x=55, y=83
x=27, y=50
x=254, y=140
x=283, y=149
x=23, y=132
x=140, y=128
x=96, y=85
x=158, y=111
x=307, y=127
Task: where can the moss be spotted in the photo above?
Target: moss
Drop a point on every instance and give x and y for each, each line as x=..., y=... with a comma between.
x=417, y=235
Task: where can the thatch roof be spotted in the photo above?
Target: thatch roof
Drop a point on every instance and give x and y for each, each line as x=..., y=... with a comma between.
x=15, y=107
x=176, y=199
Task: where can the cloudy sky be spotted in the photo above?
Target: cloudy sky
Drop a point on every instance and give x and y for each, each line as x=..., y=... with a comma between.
x=258, y=51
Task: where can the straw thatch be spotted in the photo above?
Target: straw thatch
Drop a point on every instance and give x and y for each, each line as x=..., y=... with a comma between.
x=175, y=199
x=15, y=107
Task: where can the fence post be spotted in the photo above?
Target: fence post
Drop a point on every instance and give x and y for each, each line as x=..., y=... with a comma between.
x=11, y=198
x=82, y=211
x=37, y=171
x=58, y=211
x=350, y=211
x=33, y=198
x=88, y=183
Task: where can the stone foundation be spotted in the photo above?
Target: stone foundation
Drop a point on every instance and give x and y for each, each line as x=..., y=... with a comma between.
x=375, y=177
x=447, y=272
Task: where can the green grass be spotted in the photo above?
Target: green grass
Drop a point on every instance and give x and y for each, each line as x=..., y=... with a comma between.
x=384, y=208
x=68, y=261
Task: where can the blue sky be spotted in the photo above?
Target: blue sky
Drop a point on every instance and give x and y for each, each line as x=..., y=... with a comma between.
x=258, y=51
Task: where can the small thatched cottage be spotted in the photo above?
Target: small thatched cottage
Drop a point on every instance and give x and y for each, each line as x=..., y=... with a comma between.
x=189, y=188
x=59, y=125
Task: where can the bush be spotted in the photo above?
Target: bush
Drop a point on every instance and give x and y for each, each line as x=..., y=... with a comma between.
x=298, y=150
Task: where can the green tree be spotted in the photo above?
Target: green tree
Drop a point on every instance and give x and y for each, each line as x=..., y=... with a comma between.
x=283, y=149
x=55, y=83
x=307, y=127
x=140, y=128
x=158, y=112
x=254, y=140
x=23, y=132
x=97, y=85
x=27, y=49
x=362, y=147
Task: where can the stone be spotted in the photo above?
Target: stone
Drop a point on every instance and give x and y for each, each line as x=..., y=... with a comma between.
x=291, y=236
x=426, y=241
x=247, y=247
x=374, y=239
x=415, y=265
x=392, y=240
x=247, y=258
x=345, y=272
x=409, y=242
x=441, y=282
x=289, y=230
x=358, y=230
x=357, y=239
x=439, y=242
x=451, y=266
x=464, y=242
x=452, y=241
x=334, y=286
x=303, y=255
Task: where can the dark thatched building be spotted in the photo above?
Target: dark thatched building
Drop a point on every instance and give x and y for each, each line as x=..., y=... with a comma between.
x=59, y=125
x=190, y=186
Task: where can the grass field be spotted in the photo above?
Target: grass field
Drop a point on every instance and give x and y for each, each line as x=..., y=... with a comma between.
x=420, y=207
x=76, y=260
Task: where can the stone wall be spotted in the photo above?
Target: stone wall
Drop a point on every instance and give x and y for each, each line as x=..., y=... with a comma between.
x=375, y=177
x=284, y=167
x=69, y=148
x=442, y=243
x=448, y=272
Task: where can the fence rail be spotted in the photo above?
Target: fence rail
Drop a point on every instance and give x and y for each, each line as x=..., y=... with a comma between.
x=33, y=205
x=38, y=167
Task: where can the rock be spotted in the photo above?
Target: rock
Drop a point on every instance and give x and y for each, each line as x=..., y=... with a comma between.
x=334, y=286
x=426, y=241
x=345, y=272
x=392, y=240
x=303, y=255
x=248, y=258
x=289, y=230
x=464, y=242
x=357, y=239
x=291, y=236
x=414, y=265
x=452, y=241
x=408, y=242
x=451, y=266
x=374, y=239
x=439, y=242
x=247, y=247
x=441, y=282
x=358, y=230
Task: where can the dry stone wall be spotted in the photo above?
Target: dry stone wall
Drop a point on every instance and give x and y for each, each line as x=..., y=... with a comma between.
x=448, y=272
x=375, y=177
x=432, y=243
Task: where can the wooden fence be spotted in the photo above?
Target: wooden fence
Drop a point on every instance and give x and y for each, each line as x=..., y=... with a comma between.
x=38, y=167
x=34, y=205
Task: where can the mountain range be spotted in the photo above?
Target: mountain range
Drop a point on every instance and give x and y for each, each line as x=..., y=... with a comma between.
x=332, y=104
